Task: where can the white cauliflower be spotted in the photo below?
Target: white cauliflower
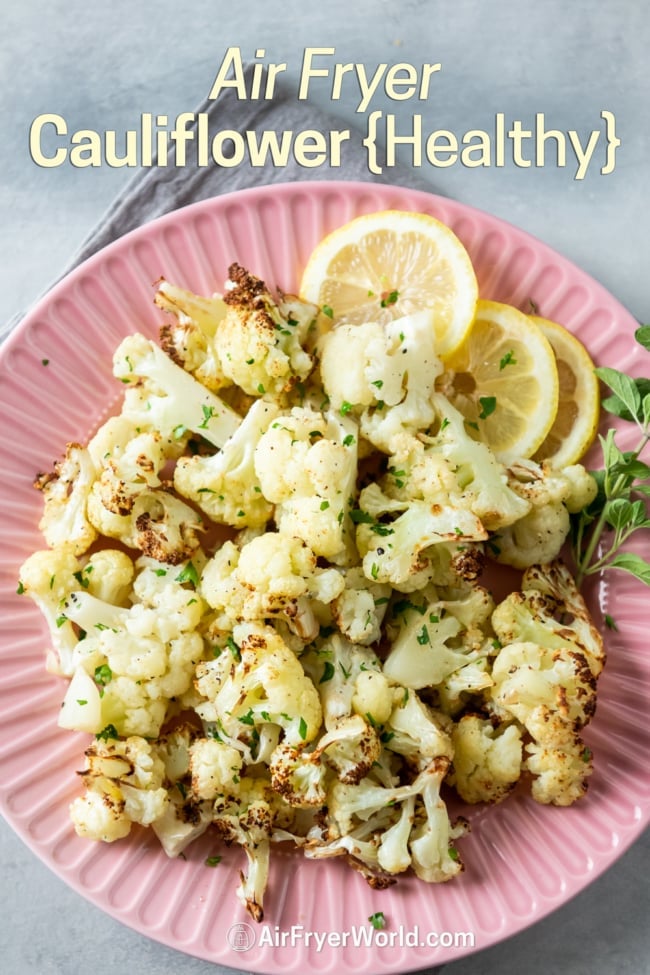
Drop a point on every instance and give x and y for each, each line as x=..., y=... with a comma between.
x=360, y=816
x=306, y=463
x=124, y=785
x=431, y=642
x=261, y=682
x=159, y=525
x=65, y=493
x=298, y=775
x=416, y=731
x=260, y=341
x=539, y=536
x=389, y=376
x=139, y=657
x=550, y=610
x=186, y=816
x=272, y=576
x=108, y=575
x=552, y=693
x=481, y=481
x=251, y=819
x=191, y=338
x=128, y=461
x=350, y=747
x=393, y=536
x=487, y=758
x=49, y=577
x=215, y=768
x=225, y=485
x=360, y=609
x=335, y=665
x=561, y=772
x=167, y=398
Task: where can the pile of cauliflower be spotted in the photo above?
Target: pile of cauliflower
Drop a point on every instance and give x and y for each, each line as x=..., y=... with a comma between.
x=262, y=583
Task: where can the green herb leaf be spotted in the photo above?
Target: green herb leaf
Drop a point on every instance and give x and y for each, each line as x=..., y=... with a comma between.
x=328, y=672
x=507, y=360
x=110, y=731
x=378, y=920
x=188, y=574
x=103, y=675
x=642, y=335
x=623, y=387
x=632, y=563
x=488, y=406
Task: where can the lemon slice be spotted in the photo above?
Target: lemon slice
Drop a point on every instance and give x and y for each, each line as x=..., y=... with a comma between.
x=504, y=380
x=578, y=413
x=381, y=266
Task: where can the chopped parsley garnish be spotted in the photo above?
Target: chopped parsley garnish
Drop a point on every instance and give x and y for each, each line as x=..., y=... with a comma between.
x=212, y=861
x=208, y=413
x=188, y=574
x=110, y=731
x=378, y=920
x=423, y=636
x=103, y=675
x=488, y=406
x=507, y=360
x=302, y=729
x=328, y=672
x=389, y=298
x=234, y=649
x=326, y=310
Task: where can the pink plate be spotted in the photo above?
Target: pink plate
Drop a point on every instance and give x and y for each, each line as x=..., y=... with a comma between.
x=522, y=860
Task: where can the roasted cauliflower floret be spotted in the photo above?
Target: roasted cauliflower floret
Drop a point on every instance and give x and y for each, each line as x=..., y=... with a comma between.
x=487, y=759
x=224, y=485
x=389, y=376
x=191, y=339
x=65, y=493
x=272, y=576
x=306, y=463
x=260, y=341
x=539, y=535
x=263, y=683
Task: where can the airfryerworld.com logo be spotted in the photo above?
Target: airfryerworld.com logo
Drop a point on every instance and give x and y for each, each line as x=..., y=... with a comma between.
x=243, y=937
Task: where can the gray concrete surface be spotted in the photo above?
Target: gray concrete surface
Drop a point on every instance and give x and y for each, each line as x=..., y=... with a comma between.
x=101, y=65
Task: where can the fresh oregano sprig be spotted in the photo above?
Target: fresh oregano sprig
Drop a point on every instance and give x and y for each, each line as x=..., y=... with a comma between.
x=600, y=531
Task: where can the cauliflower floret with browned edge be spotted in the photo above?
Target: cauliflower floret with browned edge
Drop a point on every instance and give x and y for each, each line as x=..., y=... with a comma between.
x=487, y=759
x=561, y=772
x=259, y=348
x=273, y=575
x=126, y=778
x=65, y=491
x=538, y=537
x=261, y=683
x=215, y=768
x=550, y=610
x=191, y=338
